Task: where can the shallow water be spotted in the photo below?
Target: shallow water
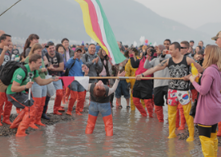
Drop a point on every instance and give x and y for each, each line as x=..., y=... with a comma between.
x=134, y=135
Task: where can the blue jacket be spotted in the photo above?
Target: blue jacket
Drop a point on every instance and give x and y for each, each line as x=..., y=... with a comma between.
x=76, y=70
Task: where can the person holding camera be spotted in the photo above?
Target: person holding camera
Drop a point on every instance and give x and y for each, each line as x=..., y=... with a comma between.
x=20, y=82
x=160, y=86
x=93, y=62
x=76, y=68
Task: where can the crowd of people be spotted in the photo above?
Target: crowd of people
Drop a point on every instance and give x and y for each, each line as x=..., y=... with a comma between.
x=41, y=65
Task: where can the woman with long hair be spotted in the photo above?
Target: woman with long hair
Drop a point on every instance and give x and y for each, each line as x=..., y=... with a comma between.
x=60, y=49
x=38, y=92
x=107, y=71
x=32, y=39
x=209, y=101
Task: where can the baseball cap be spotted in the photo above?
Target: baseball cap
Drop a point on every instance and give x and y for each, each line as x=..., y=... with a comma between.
x=217, y=36
x=78, y=49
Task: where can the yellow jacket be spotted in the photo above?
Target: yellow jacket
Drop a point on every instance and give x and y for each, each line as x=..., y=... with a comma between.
x=130, y=71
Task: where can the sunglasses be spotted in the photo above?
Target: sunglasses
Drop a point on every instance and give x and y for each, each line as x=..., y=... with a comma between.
x=183, y=47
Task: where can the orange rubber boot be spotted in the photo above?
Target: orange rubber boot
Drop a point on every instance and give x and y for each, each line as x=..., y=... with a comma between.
x=57, y=101
x=18, y=110
x=177, y=118
x=26, y=121
x=108, y=122
x=67, y=94
x=39, y=112
x=139, y=106
x=159, y=112
x=149, y=106
x=182, y=118
x=80, y=102
x=90, y=124
x=71, y=102
x=7, y=113
x=219, y=129
x=18, y=119
x=2, y=100
x=35, y=108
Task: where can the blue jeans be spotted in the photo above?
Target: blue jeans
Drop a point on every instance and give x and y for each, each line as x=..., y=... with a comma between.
x=122, y=89
x=58, y=85
x=76, y=86
x=38, y=91
x=103, y=108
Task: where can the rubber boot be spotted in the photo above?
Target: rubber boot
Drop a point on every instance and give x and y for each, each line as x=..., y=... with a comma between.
x=132, y=106
x=172, y=111
x=39, y=112
x=139, y=106
x=189, y=121
x=182, y=118
x=18, y=110
x=36, y=105
x=159, y=112
x=143, y=103
x=61, y=109
x=26, y=121
x=44, y=116
x=149, y=106
x=18, y=119
x=80, y=102
x=57, y=101
x=108, y=122
x=64, y=95
x=2, y=101
x=7, y=113
x=90, y=124
x=219, y=129
x=82, y=105
x=71, y=102
x=177, y=118
x=207, y=145
x=67, y=94
x=215, y=140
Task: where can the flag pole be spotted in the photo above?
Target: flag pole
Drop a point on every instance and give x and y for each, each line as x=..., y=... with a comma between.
x=143, y=78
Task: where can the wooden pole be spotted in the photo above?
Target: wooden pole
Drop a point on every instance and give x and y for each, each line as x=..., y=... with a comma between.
x=10, y=7
x=143, y=78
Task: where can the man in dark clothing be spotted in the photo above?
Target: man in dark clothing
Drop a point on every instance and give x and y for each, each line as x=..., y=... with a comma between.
x=5, y=41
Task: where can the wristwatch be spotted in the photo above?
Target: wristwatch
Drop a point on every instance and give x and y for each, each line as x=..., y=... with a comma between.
x=142, y=75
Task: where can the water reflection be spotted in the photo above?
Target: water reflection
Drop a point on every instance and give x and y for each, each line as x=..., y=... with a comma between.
x=134, y=135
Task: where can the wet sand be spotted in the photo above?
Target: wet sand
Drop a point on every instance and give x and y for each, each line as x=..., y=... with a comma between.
x=134, y=135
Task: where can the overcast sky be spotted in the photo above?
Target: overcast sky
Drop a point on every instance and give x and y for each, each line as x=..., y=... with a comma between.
x=193, y=13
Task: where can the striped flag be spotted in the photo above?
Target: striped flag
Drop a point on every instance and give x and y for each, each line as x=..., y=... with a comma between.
x=84, y=80
x=99, y=29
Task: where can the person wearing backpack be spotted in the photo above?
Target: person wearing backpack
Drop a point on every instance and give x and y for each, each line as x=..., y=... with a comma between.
x=5, y=57
x=93, y=62
x=75, y=67
x=38, y=92
x=22, y=80
x=56, y=66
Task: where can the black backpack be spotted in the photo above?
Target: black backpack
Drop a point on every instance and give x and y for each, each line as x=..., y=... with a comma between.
x=8, y=70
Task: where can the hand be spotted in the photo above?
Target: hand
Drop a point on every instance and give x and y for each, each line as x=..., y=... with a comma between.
x=55, y=79
x=121, y=74
x=85, y=69
x=193, y=78
x=75, y=55
x=5, y=48
x=186, y=78
x=165, y=52
x=97, y=59
x=138, y=77
x=43, y=69
x=29, y=85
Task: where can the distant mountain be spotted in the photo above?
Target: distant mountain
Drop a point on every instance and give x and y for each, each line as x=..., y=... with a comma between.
x=210, y=28
x=63, y=18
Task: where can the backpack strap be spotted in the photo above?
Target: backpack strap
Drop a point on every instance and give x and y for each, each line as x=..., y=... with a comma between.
x=86, y=57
